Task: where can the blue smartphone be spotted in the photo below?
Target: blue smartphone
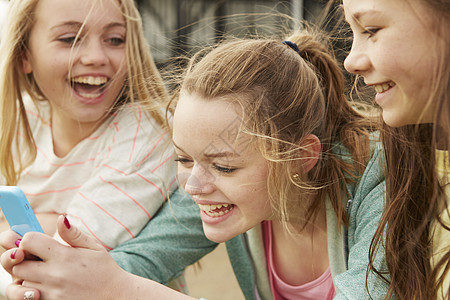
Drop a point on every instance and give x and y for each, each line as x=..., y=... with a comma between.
x=17, y=210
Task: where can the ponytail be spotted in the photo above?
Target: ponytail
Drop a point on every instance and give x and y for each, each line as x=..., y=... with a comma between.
x=286, y=94
x=344, y=123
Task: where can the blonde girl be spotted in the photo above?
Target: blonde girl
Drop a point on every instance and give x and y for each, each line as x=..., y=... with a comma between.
x=82, y=123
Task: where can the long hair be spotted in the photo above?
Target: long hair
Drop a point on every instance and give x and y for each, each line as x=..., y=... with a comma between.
x=416, y=198
x=143, y=83
x=286, y=95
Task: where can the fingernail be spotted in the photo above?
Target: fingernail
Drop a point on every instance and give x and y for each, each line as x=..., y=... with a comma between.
x=13, y=254
x=66, y=222
x=18, y=242
x=28, y=295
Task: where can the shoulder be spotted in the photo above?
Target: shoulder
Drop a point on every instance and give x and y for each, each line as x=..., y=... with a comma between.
x=132, y=134
x=135, y=117
x=37, y=111
x=130, y=123
x=361, y=184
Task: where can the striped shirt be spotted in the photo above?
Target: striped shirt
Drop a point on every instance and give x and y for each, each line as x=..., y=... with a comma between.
x=111, y=183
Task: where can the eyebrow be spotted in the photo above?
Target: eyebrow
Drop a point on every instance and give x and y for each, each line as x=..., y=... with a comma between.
x=78, y=25
x=361, y=14
x=220, y=154
x=212, y=155
x=111, y=25
x=67, y=24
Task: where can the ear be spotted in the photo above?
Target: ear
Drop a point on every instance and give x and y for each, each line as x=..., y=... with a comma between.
x=311, y=151
x=27, y=67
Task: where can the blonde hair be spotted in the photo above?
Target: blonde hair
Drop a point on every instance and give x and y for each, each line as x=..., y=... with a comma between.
x=285, y=96
x=143, y=83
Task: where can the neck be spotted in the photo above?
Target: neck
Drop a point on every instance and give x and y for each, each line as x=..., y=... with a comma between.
x=66, y=134
x=300, y=251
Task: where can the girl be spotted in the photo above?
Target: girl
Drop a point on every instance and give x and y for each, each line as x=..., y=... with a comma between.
x=86, y=146
x=281, y=167
x=401, y=48
x=82, y=128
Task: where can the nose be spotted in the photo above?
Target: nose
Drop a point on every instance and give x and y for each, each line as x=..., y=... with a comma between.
x=199, y=181
x=357, y=61
x=93, y=52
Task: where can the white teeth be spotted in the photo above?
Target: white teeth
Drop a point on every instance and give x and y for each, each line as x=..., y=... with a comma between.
x=91, y=80
x=208, y=209
x=380, y=88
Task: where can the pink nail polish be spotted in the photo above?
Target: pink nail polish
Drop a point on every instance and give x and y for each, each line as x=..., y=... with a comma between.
x=18, y=242
x=66, y=222
x=13, y=254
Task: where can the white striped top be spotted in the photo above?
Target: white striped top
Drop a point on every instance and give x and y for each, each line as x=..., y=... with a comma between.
x=111, y=183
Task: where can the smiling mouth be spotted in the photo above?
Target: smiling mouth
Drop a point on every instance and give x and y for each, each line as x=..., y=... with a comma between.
x=381, y=88
x=89, y=86
x=216, y=210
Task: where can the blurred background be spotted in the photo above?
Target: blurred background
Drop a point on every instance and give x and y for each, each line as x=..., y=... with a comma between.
x=173, y=27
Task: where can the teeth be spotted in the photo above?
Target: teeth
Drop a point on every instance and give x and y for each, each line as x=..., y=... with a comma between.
x=208, y=209
x=90, y=96
x=380, y=88
x=91, y=80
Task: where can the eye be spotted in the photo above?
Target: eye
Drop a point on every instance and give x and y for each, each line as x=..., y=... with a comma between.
x=185, y=162
x=70, y=40
x=370, y=31
x=226, y=170
x=116, y=41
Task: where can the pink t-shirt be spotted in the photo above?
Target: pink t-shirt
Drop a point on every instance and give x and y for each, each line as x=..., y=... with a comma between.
x=320, y=288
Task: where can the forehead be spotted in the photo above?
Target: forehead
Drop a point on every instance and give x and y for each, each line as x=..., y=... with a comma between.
x=397, y=8
x=200, y=124
x=355, y=9
x=403, y=15
x=82, y=11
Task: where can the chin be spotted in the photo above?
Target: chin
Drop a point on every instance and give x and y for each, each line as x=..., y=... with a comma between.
x=393, y=120
x=217, y=238
x=398, y=122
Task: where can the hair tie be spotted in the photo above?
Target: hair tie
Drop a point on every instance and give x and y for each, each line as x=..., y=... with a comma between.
x=292, y=45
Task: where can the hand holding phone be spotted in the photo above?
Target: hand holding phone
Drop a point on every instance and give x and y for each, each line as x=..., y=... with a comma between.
x=17, y=210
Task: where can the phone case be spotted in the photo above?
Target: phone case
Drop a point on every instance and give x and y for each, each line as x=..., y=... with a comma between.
x=17, y=210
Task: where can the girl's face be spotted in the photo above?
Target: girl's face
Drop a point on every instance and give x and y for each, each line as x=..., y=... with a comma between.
x=395, y=50
x=81, y=78
x=219, y=167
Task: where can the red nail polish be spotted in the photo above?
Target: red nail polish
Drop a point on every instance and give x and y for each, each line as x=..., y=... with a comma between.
x=18, y=242
x=66, y=222
x=13, y=254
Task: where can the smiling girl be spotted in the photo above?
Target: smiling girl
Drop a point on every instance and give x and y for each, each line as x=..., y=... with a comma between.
x=401, y=48
x=284, y=170
x=82, y=128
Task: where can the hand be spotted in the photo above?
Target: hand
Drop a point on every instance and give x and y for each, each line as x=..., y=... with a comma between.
x=83, y=271
x=8, y=237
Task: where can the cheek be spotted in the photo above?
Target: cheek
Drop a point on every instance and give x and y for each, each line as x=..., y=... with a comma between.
x=119, y=77
x=182, y=176
x=258, y=193
x=119, y=61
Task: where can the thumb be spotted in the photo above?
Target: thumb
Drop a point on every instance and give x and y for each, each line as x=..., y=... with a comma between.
x=75, y=237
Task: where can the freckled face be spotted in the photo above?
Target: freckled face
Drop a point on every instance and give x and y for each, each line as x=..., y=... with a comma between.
x=219, y=167
x=396, y=50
